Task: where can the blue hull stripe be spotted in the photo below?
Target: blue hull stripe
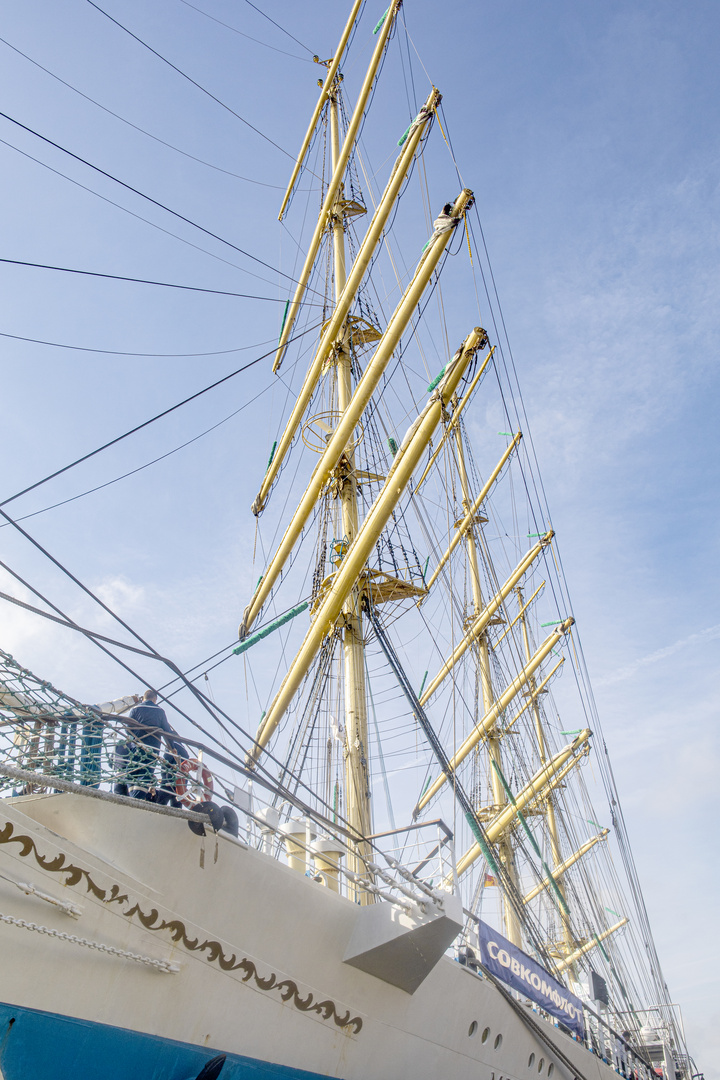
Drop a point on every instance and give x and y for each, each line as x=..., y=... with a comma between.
x=38, y=1045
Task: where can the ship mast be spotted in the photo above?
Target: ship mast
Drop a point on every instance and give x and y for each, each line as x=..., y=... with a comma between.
x=505, y=850
x=336, y=475
x=357, y=780
x=533, y=693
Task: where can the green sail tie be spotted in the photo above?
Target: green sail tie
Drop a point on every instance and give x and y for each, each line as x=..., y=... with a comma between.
x=272, y=455
x=404, y=137
x=274, y=625
x=533, y=841
x=285, y=314
x=487, y=853
x=381, y=22
x=436, y=380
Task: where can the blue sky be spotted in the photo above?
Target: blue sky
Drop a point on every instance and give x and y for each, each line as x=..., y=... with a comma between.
x=589, y=135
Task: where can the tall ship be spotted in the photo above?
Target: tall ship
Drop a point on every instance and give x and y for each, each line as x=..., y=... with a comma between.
x=404, y=855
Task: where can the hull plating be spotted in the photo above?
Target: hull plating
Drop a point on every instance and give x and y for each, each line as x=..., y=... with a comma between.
x=258, y=950
x=46, y=1046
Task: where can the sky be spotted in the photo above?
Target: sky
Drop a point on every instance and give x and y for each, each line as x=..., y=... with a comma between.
x=589, y=134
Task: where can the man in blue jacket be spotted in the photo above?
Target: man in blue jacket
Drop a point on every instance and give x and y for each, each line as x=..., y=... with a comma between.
x=149, y=726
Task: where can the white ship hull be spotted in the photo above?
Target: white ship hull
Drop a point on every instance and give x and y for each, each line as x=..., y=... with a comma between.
x=259, y=950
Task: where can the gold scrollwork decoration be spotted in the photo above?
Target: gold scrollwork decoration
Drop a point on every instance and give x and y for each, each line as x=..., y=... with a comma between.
x=152, y=920
x=60, y=865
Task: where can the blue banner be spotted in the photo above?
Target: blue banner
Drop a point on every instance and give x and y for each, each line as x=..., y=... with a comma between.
x=514, y=967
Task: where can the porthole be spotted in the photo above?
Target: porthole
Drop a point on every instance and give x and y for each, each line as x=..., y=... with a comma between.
x=498, y=1042
x=531, y=1061
x=541, y=1062
x=485, y=1035
x=472, y=1029
x=551, y=1069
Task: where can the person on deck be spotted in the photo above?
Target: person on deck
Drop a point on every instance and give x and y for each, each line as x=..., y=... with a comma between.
x=149, y=725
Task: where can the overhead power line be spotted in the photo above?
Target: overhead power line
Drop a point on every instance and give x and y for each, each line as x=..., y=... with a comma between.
x=147, y=423
x=146, y=281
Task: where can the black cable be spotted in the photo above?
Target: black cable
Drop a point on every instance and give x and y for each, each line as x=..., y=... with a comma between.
x=209, y=706
x=410, y=65
x=126, y=210
x=410, y=337
x=580, y=670
x=76, y=581
x=147, y=464
x=148, y=198
x=146, y=281
x=146, y=423
x=153, y=654
x=537, y=1029
x=541, y=1031
x=136, y=127
x=69, y=625
x=471, y=817
x=117, y=352
x=247, y=36
x=190, y=80
x=73, y=625
x=203, y=665
x=97, y=638
x=266, y=16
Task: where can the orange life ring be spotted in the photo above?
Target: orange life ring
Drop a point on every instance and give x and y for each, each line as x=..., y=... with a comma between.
x=189, y=769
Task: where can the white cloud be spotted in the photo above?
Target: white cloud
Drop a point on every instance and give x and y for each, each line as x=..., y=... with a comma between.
x=121, y=595
x=627, y=672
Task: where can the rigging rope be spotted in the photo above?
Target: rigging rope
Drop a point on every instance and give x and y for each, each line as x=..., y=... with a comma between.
x=193, y=81
x=146, y=423
x=147, y=281
x=257, y=41
x=148, y=198
x=136, y=127
x=469, y=812
x=282, y=28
